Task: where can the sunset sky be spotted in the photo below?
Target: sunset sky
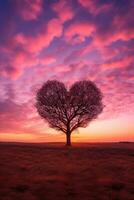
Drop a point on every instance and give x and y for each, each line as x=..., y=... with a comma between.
x=67, y=40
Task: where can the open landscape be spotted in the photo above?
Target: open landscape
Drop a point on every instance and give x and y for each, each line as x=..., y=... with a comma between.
x=52, y=171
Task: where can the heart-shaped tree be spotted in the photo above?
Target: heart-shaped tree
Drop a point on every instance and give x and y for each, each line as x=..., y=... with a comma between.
x=68, y=110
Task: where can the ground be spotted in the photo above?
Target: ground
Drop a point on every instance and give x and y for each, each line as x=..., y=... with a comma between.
x=54, y=172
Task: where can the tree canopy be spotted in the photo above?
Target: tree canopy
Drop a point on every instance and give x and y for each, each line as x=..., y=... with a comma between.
x=66, y=110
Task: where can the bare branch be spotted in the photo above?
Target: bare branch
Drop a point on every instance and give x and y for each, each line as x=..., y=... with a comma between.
x=68, y=110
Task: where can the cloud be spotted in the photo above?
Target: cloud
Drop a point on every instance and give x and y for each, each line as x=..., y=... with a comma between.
x=11, y=115
x=29, y=9
x=73, y=56
x=119, y=63
x=34, y=44
x=16, y=63
x=17, y=119
x=69, y=73
x=116, y=34
x=22, y=51
x=112, y=21
x=47, y=60
x=22, y=60
x=95, y=7
x=77, y=32
x=8, y=71
x=116, y=26
x=63, y=10
x=19, y=116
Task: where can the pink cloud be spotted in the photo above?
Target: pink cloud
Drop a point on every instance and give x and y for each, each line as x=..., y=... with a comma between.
x=102, y=41
x=107, y=39
x=76, y=71
x=78, y=32
x=25, y=57
x=9, y=110
x=61, y=68
x=47, y=60
x=34, y=44
x=16, y=64
x=21, y=118
x=120, y=29
x=9, y=71
x=63, y=10
x=125, y=32
x=94, y=7
x=21, y=60
x=118, y=63
x=29, y=9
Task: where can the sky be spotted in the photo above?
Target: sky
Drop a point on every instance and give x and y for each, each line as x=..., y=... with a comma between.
x=66, y=40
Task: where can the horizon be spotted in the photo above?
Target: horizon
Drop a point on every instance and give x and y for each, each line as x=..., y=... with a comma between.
x=67, y=41
x=73, y=143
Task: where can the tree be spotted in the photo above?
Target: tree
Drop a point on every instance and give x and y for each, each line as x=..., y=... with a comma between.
x=68, y=110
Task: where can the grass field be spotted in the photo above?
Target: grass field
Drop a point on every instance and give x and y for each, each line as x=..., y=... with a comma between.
x=54, y=172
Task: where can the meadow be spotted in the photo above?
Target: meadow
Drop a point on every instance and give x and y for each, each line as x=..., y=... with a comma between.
x=55, y=172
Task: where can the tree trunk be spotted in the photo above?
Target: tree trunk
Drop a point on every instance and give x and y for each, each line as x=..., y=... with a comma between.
x=68, y=139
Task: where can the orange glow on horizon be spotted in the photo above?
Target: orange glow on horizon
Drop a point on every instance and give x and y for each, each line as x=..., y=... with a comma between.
x=112, y=130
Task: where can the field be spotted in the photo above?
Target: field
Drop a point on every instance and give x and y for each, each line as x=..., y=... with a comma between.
x=54, y=172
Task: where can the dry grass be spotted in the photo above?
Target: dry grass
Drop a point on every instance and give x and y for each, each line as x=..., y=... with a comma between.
x=53, y=172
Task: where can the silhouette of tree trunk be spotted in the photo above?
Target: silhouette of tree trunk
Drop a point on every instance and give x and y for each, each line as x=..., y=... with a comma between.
x=68, y=135
x=68, y=139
